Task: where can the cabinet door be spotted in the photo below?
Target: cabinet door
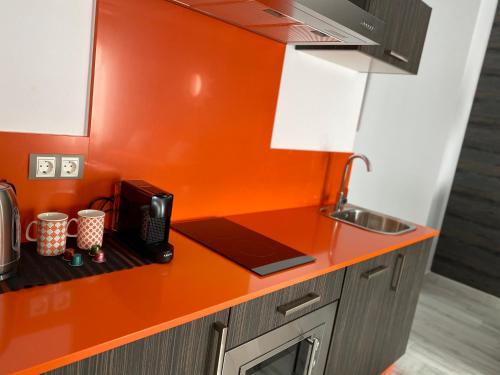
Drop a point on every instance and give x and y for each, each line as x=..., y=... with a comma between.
x=185, y=350
x=407, y=281
x=363, y=318
x=405, y=32
x=376, y=314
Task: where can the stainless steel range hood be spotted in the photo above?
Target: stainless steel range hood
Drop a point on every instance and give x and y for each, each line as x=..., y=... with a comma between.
x=305, y=22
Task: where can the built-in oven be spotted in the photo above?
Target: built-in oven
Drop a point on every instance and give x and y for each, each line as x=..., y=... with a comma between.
x=296, y=348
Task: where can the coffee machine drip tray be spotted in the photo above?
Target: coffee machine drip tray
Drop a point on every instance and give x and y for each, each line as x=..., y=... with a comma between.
x=249, y=249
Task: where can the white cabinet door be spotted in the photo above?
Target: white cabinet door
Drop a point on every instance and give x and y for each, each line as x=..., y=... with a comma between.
x=45, y=59
x=319, y=104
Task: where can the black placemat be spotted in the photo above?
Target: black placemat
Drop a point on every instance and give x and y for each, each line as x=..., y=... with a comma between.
x=35, y=269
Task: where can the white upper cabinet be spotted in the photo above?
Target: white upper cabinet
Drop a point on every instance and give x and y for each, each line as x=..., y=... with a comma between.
x=319, y=104
x=45, y=63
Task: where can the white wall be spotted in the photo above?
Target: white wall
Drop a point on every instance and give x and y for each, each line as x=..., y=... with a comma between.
x=412, y=127
x=45, y=57
x=319, y=104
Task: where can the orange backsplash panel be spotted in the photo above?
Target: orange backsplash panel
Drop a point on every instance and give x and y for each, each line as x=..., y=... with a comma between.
x=185, y=102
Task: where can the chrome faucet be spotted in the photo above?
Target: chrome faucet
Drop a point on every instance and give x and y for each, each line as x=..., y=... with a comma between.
x=342, y=198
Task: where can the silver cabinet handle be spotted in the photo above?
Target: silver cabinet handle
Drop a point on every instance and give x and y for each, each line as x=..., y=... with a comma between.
x=221, y=330
x=299, y=304
x=397, y=56
x=374, y=272
x=396, y=280
x=314, y=342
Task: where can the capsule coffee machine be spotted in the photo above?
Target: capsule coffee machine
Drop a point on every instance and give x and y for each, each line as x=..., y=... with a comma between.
x=144, y=219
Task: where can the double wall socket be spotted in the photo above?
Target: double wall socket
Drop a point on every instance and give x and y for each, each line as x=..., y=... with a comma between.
x=55, y=166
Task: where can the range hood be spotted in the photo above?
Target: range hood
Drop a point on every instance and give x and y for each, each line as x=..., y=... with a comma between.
x=304, y=22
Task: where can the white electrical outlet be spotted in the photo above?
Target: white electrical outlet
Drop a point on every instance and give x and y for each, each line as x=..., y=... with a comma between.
x=70, y=167
x=45, y=166
x=55, y=166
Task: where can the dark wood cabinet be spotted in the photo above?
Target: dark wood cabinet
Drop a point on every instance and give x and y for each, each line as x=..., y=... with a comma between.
x=185, y=350
x=409, y=273
x=362, y=318
x=406, y=23
x=376, y=311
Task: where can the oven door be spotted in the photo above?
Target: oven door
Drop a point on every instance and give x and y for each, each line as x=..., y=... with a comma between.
x=297, y=348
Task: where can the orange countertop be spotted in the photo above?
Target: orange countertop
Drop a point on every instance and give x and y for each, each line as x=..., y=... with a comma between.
x=46, y=327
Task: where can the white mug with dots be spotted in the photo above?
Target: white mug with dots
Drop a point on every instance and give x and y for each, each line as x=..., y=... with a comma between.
x=90, y=228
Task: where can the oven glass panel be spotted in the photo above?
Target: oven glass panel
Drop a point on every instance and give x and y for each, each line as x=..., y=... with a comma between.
x=290, y=361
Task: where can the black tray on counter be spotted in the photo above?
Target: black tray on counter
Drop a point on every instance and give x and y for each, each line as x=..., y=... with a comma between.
x=35, y=269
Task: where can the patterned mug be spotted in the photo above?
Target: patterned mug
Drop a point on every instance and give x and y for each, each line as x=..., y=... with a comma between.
x=90, y=228
x=52, y=230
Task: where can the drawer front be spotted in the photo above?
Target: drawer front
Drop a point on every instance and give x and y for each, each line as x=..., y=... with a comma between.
x=188, y=349
x=253, y=318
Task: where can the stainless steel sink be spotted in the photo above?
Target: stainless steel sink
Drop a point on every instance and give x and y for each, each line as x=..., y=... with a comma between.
x=361, y=217
x=369, y=220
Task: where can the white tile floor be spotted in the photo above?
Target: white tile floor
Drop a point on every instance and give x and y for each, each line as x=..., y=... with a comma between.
x=456, y=331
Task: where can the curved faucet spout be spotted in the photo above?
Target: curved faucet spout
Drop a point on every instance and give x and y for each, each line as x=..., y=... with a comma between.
x=342, y=198
x=362, y=157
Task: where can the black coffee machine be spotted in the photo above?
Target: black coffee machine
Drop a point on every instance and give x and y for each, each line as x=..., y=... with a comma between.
x=144, y=219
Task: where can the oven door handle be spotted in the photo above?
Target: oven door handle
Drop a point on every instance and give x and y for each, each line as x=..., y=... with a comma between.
x=313, y=343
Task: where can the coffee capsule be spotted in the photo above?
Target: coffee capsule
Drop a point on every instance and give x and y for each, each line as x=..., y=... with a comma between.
x=77, y=260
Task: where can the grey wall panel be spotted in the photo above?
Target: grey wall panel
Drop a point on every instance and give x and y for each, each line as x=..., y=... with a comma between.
x=469, y=248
